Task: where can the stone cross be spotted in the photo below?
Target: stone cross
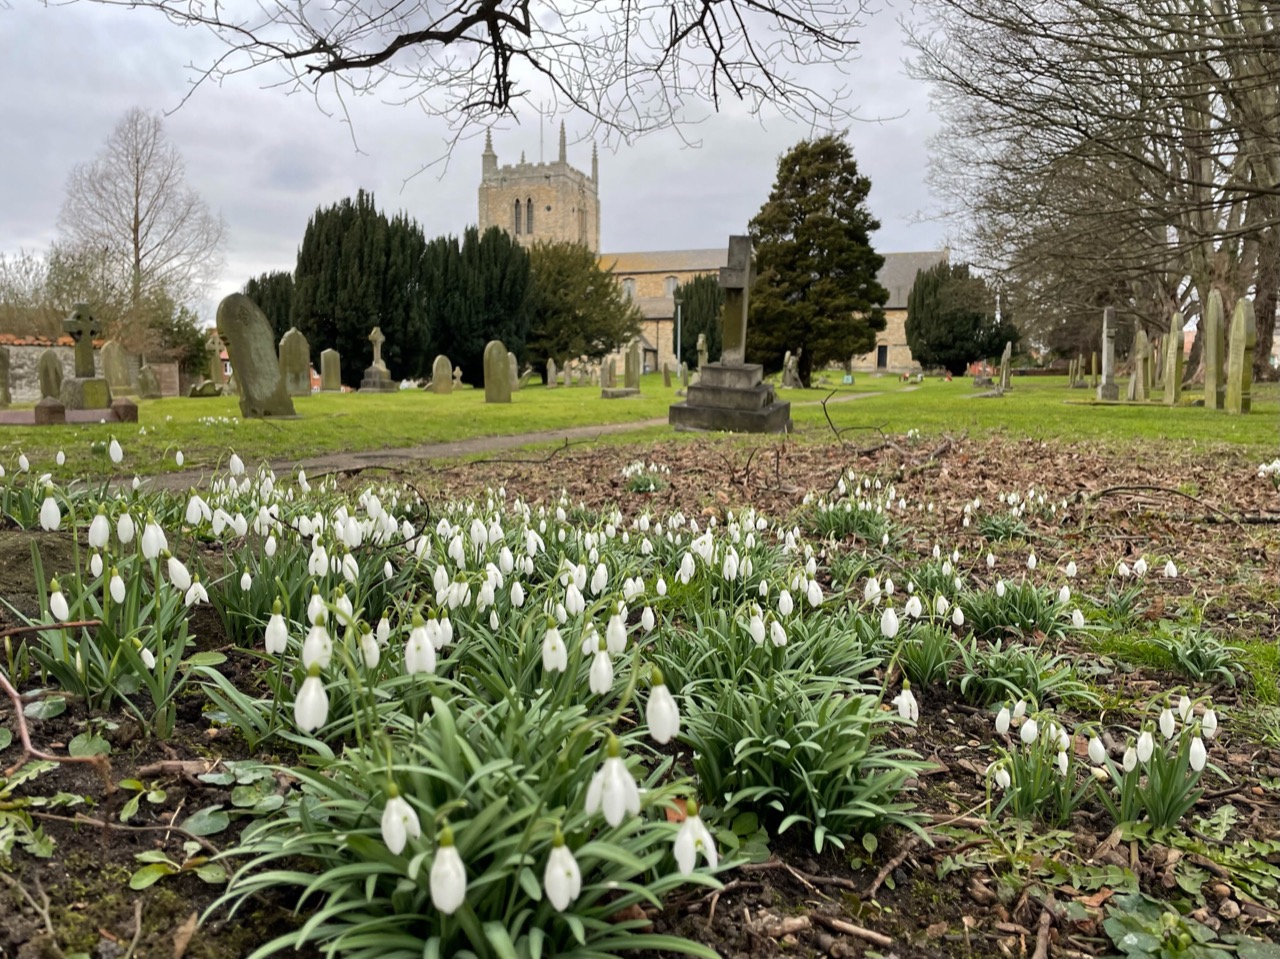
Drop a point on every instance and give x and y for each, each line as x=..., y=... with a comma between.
x=1108, y=389
x=736, y=280
x=83, y=328
x=1214, y=353
x=377, y=339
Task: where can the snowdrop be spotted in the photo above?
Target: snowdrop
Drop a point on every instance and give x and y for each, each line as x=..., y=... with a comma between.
x=419, y=650
x=1123, y=570
x=785, y=603
x=179, y=576
x=692, y=838
x=153, y=540
x=814, y=593
x=1209, y=724
x=50, y=513
x=1001, y=589
x=277, y=632
x=646, y=619
x=116, y=586
x=95, y=564
x=399, y=822
x=662, y=714
x=991, y=560
x=1003, y=718
x=448, y=875
x=317, y=647
x=562, y=879
x=889, y=623
x=58, y=602
x=600, y=678
x=615, y=634
x=1146, y=746
x=613, y=789
x=1071, y=569
x=777, y=635
x=1030, y=730
x=1097, y=751
x=195, y=593
x=957, y=616
x=1168, y=725
x=235, y=465
x=1064, y=595
x=114, y=451
x=913, y=608
x=908, y=708
x=1031, y=561
x=555, y=655
x=871, y=591
x=100, y=530
x=1140, y=567
x=246, y=581
x=311, y=707
x=1077, y=619
x=1170, y=570
x=1197, y=756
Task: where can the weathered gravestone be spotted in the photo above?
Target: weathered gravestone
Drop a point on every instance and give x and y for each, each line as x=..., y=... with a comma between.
x=330, y=371
x=1215, y=386
x=377, y=379
x=115, y=368
x=1108, y=389
x=1140, y=383
x=1093, y=370
x=791, y=370
x=50, y=411
x=666, y=375
x=49, y=369
x=295, y=362
x=1071, y=373
x=250, y=344
x=216, y=346
x=684, y=375
x=702, y=350
x=1155, y=380
x=513, y=370
x=457, y=377
x=85, y=390
x=1244, y=340
x=609, y=375
x=149, y=384
x=552, y=373
x=732, y=394
x=1173, y=361
x=630, y=375
x=1005, y=359
x=5, y=396
x=442, y=376
x=497, y=373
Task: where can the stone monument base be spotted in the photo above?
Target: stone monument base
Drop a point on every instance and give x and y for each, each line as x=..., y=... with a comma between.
x=731, y=397
x=618, y=392
x=49, y=411
x=378, y=380
x=125, y=410
x=1109, y=392
x=83, y=393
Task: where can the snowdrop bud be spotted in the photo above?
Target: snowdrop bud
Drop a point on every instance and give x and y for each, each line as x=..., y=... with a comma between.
x=615, y=634
x=311, y=707
x=646, y=620
x=178, y=457
x=957, y=616
x=600, y=680
x=399, y=823
x=1123, y=570
x=269, y=547
x=1146, y=746
x=662, y=714
x=1140, y=567
x=1019, y=709
x=1071, y=569
x=777, y=635
x=941, y=605
x=1168, y=725
x=370, y=651
x=913, y=607
x=1029, y=731
x=178, y=574
x=1031, y=561
x=124, y=528
x=1197, y=756
x=888, y=587
x=889, y=623
x=58, y=603
x=50, y=513
x=517, y=595
x=1064, y=595
x=116, y=587
x=1130, y=759
x=1097, y=751
x=1002, y=720
x=814, y=593
x=1170, y=570
x=1002, y=778
x=1062, y=762
x=1077, y=619
x=562, y=878
x=661, y=587
x=61, y=458
x=100, y=530
x=448, y=876
x=1209, y=724
x=277, y=633
x=114, y=451
x=246, y=581
x=555, y=655
x=755, y=626
x=235, y=465
x=1000, y=588
x=991, y=560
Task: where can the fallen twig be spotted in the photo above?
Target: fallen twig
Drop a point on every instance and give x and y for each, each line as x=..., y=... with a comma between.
x=849, y=929
x=41, y=911
x=1042, y=932
x=1131, y=488
x=805, y=878
x=82, y=820
x=890, y=866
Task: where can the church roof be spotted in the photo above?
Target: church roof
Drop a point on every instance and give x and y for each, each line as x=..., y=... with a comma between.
x=665, y=261
x=898, y=274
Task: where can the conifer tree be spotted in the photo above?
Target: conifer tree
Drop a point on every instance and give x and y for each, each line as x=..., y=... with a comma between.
x=702, y=302
x=816, y=285
x=576, y=307
x=273, y=294
x=951, y=319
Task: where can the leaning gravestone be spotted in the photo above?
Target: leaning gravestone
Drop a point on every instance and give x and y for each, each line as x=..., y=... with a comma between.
x=295, y=362
x=49, y=369
x=513, y=369
x=497, y=373
x=215, y=347
x=115, y=368
x=1244, y=339
x=552, y=373
x=1214, y=353
x=5, y=397
x=1108, y=390
x=85, y=390
x=442, y=376
x=249, y=339
x=1005, y=358
x=1173, y=362
x=149, y=384
x=330, y=371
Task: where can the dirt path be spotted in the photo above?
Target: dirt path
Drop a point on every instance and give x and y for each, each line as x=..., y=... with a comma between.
x=476, y=445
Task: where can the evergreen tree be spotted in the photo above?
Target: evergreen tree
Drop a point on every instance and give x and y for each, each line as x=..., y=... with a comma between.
x=816, y=285
x=951, y=319
x=273, y=294
x=702, y=302
x=576, y=308
x=357, y=270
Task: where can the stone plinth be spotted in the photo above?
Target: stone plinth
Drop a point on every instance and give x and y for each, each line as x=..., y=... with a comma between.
x=731, y=396
x=378, y=380
x=49, y=411
x=124, y=410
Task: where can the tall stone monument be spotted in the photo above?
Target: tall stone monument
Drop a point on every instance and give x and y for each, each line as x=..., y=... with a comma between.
x=250, y=344
x=330, y=371
x=85, y=390
x=442, y=376
x=295, y=362
x=1215, y=387
x=377, y=379
x=1244, y=340
x=497, y=373
x=1173, y=361
x=1108, y=390
x=732, y=394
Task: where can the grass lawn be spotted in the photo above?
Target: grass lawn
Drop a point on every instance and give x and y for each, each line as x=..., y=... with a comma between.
x=204, y=429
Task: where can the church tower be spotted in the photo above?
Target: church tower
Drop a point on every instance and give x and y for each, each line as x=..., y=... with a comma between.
x=541, y=201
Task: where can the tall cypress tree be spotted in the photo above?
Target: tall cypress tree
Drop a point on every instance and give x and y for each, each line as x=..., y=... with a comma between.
x=273, y=293
x=702, y=302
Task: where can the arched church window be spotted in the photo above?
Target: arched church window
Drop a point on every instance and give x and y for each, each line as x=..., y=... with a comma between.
x=629, y=288
x=517, y=217
x=528, y=215
x=669, y=286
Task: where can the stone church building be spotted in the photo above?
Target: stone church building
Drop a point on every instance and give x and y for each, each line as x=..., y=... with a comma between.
x=554, y=201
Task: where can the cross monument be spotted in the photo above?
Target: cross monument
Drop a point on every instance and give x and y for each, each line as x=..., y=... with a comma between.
x=83, y=328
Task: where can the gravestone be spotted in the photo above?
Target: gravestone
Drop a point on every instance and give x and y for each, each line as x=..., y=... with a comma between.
x=1108, y=390
x=497, y=373
x=49, y=369
x=1093, y=370
x=1005, y=358
x=552, y=374
x=204, y=390
x=609, y=376
x=1243, y=341
x=50, y=411
x=1080, y=382
x=1071, y=373
x=1173, y=361
x=684, y=375
x=702, y=350
x=525, y=378
x=169, y=377
x=732, y=394
x=85, y=390
x=442, y=376
x=457, y=377
x=630, y=375
x=124, y=410
x=791, y=370
x=377, y=379
x=666, y=375
x=513, y=370
x=1214, y=353
x=330, y=371
x=295, y=362
x=1141, y=390
x=1156, y=378
x=5, y=396
x=115, y=368
x=251, y=348
x=216, y=345
x=149, y=384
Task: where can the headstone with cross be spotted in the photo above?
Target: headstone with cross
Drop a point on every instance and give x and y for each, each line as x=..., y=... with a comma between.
x=377, y=379
x=83, y=328
x=377, y=339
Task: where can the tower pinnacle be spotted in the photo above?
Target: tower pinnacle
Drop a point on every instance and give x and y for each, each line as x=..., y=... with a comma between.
x=564, y=155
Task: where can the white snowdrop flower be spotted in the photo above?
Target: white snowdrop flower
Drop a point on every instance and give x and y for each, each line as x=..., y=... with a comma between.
x=1063, y=762
x=419, y=650
x=58, y=603
x=777, y=635
x=1077, y=619
x=1000, y=588
x=50, y=513
x=615, y=634
x=1002, y=720
x=600, y=679
x=937, y=551
x=562, y=879
x=1019, y=709
x=100, y=530
x=1123, y=570
x=1184, y=707
x=1146, y=746
x=908, y=708
x=317, y=611
x=889, y=623
x=613, y=789
x=178, y=573
x=383, y=631
x=197, y=510
x=196, y=593
x=814, y=594
x=95, y=564
x=661, y=587
x=114, y=451
x=153, y=540
x=941, y=605
x=946, y=568
x=555, y=655
x=1071, y=569
x=370, y=651
x=1097, y=751
x=957, y=616
x=1029, y=731
x=116, y=587
x=1170, y=570
x=1168, y=725
x=646, y=619
x=235, y=465
x=24, y=464
x=692, y=838
x=1140, y=567
x=179, y=458
x=388, y=571
x=913, y=607
x=343, y=606
x=148, y=658
x=785, y=603
x=1031, y=561
x=277, y=632
x=661, y=713
x=1209, y=724
x=448, y=876
x=399, y=823
x=246, y=581
x=311, y=707
x=755, y=626
x=517, y=595
x=871, y=591
x=1001, y=777
x=888, y=587
x=1130, y=759
x=1197, y=756
x=269, y=547
x=317, y=647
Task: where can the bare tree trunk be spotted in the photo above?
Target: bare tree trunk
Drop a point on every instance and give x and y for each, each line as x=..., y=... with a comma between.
x=1266, y=297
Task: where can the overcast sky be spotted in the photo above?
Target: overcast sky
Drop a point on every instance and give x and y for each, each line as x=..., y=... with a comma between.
x=265, y=160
